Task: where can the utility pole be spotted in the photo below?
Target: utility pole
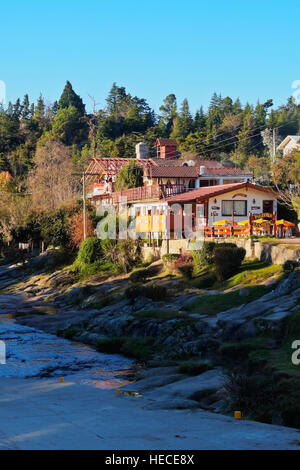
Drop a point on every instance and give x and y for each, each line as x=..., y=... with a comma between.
x=83, y=175
x=84, y=206
x=274, y=144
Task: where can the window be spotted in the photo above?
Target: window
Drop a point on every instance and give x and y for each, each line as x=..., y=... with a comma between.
x=239, y=208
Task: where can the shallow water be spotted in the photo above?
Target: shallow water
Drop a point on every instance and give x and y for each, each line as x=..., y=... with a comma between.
x=34, y=353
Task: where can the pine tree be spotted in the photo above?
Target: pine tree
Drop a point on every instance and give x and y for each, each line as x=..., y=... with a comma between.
x=70, y=98
x=39, y=111
x=26, y=108
x=183, y=123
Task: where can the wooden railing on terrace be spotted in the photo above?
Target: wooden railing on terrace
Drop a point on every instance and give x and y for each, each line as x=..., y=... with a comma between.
x=154, y=191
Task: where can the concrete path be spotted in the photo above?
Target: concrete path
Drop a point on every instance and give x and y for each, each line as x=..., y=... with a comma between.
x=47, y=414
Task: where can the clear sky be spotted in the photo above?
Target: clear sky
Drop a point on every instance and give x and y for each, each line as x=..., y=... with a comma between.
x=241, y=48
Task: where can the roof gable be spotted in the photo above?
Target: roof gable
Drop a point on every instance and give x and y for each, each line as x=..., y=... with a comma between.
x=211, y=191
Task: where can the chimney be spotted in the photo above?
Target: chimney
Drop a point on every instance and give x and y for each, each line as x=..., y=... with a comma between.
x=141, y=150
x=166, y=148
x=202, y=169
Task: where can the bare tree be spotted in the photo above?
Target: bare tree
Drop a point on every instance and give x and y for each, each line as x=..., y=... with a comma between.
x=51, y=182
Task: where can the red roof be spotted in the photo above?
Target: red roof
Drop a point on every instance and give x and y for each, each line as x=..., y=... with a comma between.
x=166, y=143
x=185, y=171
x=210, y=191
x=181, y=162
x=225, y=171
x=174, y=172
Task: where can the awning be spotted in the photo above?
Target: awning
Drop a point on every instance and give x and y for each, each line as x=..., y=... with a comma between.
x=286, y=223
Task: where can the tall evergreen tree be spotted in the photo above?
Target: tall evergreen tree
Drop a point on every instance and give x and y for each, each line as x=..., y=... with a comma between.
x=26, y=108
x=70, y=98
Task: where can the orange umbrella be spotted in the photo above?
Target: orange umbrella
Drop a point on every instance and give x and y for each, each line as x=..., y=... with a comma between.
x=222, y=222
x=244, y=222
x=286, y=223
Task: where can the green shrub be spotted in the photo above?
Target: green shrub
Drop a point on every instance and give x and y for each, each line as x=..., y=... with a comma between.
x=170, y=258
x=227, y=260
x=90, y=251
x=140, y=348
x=242, y=349
x=290, y=265
x=186, y=270
x=68, y=333
x=139, y=275
x=252, y=394
x=203, y=256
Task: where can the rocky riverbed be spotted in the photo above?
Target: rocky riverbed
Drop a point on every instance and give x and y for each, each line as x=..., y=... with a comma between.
x=48, y=302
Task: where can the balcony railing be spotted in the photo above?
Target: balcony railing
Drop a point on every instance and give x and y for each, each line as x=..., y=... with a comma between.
x=154, y=191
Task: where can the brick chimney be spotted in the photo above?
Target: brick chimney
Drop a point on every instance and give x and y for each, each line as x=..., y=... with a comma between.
x=166, y=148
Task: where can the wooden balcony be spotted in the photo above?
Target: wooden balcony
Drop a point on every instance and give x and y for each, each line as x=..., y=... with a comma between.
x=154, y=191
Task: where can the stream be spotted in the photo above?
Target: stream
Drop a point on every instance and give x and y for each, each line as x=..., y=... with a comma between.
x=33, y=353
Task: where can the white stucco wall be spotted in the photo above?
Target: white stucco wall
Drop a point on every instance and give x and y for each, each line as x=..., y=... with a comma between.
x=290, y=146
x=241, y=195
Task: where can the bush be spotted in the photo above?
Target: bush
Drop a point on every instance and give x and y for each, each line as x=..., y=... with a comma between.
x=227, y=260
x=203, y=256
x=139, y=275
x=90, y=251
x=123, y=254
x=290, y=265
x=186, y=270
x=251, y=394
x=169, y=259
x=140, y=348
x=155, y=293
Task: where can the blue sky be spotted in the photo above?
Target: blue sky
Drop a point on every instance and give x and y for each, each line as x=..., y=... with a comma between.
x=247, y=49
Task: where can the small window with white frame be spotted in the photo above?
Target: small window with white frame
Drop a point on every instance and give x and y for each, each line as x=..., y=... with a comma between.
x=239, y=208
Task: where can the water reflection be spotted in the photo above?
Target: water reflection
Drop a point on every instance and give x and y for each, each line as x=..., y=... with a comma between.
x=34, y=353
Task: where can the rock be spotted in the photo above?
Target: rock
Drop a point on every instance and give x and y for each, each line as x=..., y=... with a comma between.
x=221, y=406
x=244, y=331
x=172, y=404
x=150, y=383
x=277, y=419
x=244, y=292
x=272, y=323
x=142, y=302
x=209, y=381
x=157, y=371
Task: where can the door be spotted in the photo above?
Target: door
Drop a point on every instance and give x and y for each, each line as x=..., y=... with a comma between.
x=268, y=207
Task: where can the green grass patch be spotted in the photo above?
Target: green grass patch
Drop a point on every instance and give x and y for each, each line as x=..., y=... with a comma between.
x=68, y=333
x=213, y=304
x=140, y=348
x=242, y=349
x=255, y=275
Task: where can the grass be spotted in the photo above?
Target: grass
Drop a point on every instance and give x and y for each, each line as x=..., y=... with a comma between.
x=254, y=276
x=140, y=348
x=269, y=384
x=213, y=304
x=251, y=273
x=68, y=333
x=242, y=349
x=280, y=359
